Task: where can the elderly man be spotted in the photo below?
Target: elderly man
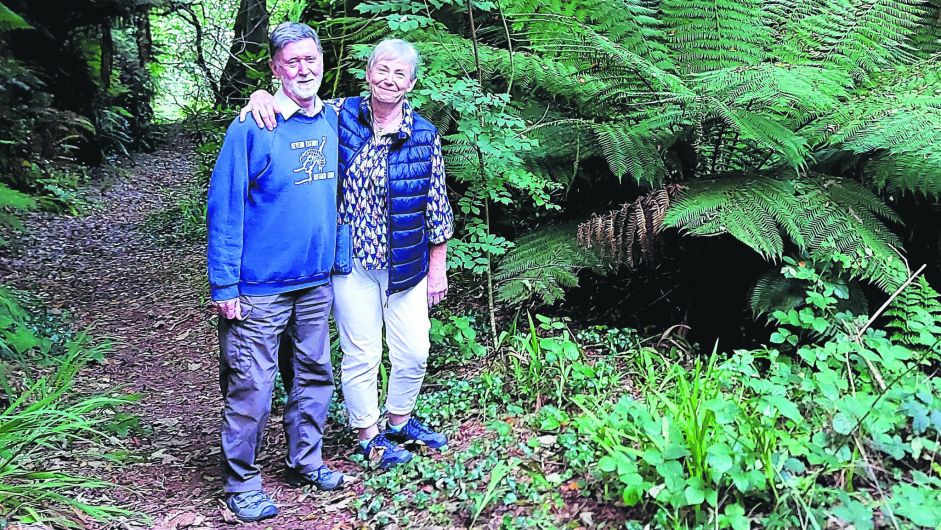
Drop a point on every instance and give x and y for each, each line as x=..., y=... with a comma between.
x=395, y=200
x=272, y=235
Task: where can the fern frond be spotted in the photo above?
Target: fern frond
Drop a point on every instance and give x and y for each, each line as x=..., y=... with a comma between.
x=9, y=20
x=607, y=59
x=827, y=218
x=865, y=207
x=543, y=263
x=356, y=29
x=740, y=207
x=914, y=318
x=896, y=123
x=918, y=174
x=774, y=292
x=875, y=34
x=710, y=35
x=765, y=131
x=630, y=149
x=460, y=158
x=859, y=37
x=631, y=23
x=927, y=38
x=626, y=236
x=794, y=91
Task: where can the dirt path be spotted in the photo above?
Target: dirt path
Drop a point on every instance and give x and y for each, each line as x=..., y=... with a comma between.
x=107, y=272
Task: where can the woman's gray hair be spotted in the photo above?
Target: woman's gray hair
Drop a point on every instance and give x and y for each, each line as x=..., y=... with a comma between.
x=399, y=49
x=287, y=32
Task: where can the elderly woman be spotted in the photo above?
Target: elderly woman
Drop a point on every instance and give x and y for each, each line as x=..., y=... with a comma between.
x=394, y=198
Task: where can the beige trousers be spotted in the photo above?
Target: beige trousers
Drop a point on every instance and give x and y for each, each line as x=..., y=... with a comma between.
x=361, y=307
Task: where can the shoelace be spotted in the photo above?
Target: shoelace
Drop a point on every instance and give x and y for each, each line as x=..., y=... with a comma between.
x=251, y=500
x=415, y=428
x=324, y=473
x=380, y=442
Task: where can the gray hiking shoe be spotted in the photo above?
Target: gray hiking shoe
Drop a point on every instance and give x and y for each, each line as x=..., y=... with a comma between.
x=323, y=478
x=251, y=506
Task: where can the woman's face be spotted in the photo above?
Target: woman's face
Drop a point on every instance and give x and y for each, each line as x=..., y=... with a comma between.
x=390, y=79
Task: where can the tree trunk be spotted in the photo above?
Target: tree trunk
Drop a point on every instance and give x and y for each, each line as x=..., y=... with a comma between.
x=107, y=54
x=145, y=43
x=251, y=37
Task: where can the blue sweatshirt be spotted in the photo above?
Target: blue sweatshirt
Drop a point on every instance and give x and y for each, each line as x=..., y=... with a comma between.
x=272, y=207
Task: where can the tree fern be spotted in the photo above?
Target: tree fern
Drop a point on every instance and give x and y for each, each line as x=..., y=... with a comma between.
x=773, y=292
x=829, y=218
x=542, y=264
x=915, y=316
x=626, y=236
x=897, y=120
x=778, y=117
x=713, y=34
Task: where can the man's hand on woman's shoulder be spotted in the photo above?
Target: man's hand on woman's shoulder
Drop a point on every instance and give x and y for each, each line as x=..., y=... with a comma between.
x=263, y=108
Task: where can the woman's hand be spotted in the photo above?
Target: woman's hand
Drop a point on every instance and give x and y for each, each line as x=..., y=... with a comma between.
x=437, y=274
x=263, y=109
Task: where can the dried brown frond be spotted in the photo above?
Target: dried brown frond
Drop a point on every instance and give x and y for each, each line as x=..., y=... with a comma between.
x=627, y=236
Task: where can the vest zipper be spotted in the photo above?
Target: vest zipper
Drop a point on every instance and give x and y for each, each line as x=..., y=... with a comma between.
x=389, y=223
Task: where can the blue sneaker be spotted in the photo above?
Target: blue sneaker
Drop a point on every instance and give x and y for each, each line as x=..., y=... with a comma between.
x=390, y=454
x=415, y=432
x=251, y=506
x=323, y=478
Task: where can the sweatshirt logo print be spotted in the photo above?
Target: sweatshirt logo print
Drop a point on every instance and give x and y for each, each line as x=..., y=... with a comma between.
x=312, y=160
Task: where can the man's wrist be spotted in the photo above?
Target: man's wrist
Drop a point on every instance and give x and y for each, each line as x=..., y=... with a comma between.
x=221, y=294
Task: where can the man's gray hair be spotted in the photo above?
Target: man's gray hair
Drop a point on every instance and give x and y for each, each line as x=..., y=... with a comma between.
x=287, y=32
x=399, y=49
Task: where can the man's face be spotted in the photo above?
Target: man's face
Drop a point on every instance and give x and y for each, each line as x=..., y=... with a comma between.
x=390, y=79
x=299, y=66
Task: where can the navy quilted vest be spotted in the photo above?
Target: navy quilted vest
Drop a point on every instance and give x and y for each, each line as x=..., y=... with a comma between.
x=409, y=177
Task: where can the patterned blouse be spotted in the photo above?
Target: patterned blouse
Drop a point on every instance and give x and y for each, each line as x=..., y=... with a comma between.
x=365, y=199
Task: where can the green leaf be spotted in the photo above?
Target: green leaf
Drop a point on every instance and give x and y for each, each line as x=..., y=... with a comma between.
x=918, y=502
x=741, y=480
x=694, y=493
x=788, y=409
x=720, y=461
x=854, y=513
x=607, y=464
x=549, y=424
x=843, y=424
x=734, y=517
x=22, y=340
